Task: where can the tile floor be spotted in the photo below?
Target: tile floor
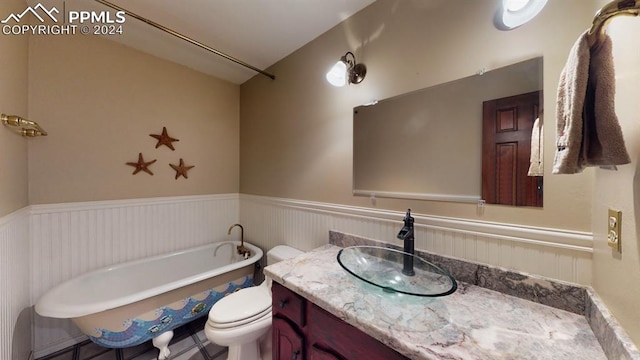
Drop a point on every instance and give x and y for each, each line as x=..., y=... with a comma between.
x=188, y=343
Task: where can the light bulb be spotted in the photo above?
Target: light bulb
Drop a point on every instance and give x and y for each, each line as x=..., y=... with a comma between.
x=337, y=76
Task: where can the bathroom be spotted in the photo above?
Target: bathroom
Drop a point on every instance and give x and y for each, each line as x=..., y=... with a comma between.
x=276, y=155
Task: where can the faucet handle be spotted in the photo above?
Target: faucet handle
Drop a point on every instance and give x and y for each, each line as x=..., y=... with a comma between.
x=408, y=219
x=242, y=250
x=407, y=230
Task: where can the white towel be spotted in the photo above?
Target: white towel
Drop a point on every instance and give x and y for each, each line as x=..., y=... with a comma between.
x=536, y=166
x=588, y=133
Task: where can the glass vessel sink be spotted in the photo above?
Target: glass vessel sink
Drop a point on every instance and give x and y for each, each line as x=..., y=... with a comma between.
x=382, y=267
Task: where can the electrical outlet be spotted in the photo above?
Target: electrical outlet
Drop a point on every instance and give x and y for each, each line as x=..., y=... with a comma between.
x=614, y=230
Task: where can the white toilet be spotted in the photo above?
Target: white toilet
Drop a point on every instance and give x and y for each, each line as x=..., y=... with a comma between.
x=242, y=319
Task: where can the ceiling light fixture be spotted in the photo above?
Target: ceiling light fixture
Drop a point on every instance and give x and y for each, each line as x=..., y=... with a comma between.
x=514, y=13
x=346, y=70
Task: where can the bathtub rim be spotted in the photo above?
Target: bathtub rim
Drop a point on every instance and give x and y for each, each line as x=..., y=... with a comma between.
x=48, y=306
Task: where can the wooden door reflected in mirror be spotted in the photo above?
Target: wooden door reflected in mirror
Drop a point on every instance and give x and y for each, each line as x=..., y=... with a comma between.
x=507, y=127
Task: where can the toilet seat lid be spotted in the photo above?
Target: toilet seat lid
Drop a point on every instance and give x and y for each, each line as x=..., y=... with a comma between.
x=242, y=306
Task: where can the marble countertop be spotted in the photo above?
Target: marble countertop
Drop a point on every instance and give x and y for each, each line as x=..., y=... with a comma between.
x=472, y=323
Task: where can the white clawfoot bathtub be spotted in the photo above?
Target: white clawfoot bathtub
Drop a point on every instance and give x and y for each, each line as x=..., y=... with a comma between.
x=131, y=303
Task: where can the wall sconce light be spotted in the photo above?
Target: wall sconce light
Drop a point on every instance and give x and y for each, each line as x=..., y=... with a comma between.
x=23, y=126
x=514, y=13
x=346, y=70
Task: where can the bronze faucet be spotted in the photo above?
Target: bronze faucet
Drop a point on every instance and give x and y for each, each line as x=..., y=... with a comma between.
x=406, y=235
x=242, y=250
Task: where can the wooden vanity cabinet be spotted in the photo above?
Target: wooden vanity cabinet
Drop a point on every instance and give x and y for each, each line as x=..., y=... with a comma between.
x=302, y=330
x=288, y=311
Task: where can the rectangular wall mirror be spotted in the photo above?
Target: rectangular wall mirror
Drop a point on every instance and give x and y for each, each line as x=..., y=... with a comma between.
x=428, y=144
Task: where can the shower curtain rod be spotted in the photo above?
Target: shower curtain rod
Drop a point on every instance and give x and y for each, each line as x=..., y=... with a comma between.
x=617, y=7
x=186, y=38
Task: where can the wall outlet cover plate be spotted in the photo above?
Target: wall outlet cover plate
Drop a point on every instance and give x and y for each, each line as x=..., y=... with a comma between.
x=614, y=225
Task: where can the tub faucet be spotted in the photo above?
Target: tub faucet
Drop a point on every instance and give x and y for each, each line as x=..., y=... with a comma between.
x=242, y=250
x=406, y=235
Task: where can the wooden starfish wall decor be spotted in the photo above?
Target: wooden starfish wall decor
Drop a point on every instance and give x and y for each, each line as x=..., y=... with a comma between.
x=181, y=170
x=164, y=139
x=141, y=165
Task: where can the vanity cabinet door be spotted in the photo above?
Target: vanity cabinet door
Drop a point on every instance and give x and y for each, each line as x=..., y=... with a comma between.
x=287, y=342
x=330, y=338
x=302, y=330
x=288, y=304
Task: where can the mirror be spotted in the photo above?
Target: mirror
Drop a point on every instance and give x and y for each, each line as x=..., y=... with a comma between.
x=428, y=144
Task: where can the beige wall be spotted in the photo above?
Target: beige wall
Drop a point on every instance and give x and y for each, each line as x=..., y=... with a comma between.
x=100, y=100
x=13, y=101
x=297, y=130
x=616, y=276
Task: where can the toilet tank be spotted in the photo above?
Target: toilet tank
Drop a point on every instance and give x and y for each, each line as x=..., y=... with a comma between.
x=281, y=252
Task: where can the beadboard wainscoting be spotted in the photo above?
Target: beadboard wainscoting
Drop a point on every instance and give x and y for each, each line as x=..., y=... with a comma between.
x=558, y=254
x=15, y=310
x=74, y=238
x=67, y=240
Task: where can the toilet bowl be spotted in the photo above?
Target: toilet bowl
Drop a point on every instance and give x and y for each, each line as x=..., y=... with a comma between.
x=242, y=320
